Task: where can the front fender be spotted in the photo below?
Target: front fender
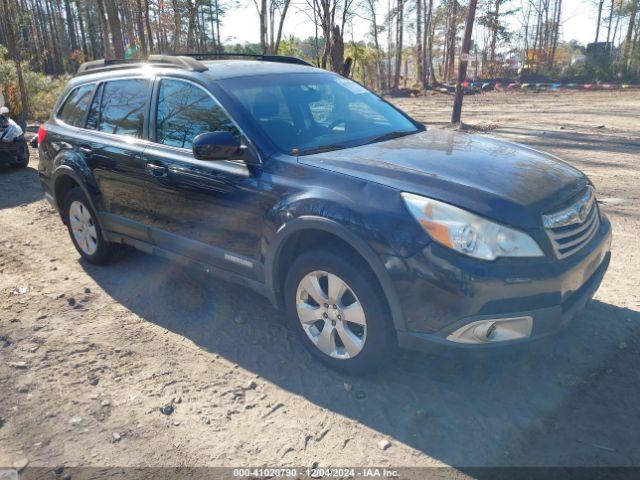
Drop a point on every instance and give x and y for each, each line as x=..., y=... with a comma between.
x=330, y=226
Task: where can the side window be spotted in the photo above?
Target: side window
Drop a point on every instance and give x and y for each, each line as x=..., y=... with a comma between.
x=74, y=110
x=94, y=110
x=184, y=111
x=123, y=107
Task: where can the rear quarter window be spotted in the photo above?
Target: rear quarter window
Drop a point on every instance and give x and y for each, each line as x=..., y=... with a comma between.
x=74, y=110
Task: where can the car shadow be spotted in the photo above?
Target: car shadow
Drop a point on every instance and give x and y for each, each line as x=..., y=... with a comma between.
x=570, y=400
x=19, y=186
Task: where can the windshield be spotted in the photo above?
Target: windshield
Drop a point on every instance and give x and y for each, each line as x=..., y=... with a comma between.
x=309, y=112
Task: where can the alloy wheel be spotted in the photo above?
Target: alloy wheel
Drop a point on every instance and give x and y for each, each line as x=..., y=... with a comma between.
x=83, y=227
x=331, y=315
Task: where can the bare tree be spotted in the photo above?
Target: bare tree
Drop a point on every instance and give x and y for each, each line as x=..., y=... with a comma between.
x=271, y=12
x=325, y=15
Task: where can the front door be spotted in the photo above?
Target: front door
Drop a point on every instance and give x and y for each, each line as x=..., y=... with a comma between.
x=209, y=211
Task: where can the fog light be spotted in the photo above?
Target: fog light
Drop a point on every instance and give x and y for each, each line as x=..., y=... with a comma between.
x=493, y=330
x=485, y=331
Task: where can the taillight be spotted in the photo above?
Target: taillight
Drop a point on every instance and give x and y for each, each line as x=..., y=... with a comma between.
x=42, y=133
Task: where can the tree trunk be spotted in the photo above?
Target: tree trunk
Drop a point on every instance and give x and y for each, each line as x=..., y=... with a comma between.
x=428, y=30
x=283, y=15
x=105, y=30
x=83, y=37
x=140, y=22
x=94, y=33
x=70, y=25
x=176, y=26
x=495, y=23
x=626, y=56
x=127, y=24
x=611, y=10
x=191, y=29
x=147, y=23
x=556, y=33
x=600, y=5
x=462, y=73
x=389, y=44
x=261, y=7
x=399, y=31
x=374, y=25
x=453, y=27
x=115, y=27
x=53, y=39
x=337, y=51
x=419, y=56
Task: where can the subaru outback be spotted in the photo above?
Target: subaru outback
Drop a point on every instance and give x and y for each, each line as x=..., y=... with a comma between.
x=367, y=228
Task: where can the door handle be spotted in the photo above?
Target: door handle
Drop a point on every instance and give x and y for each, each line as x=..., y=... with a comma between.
x=86, y=150
x=156, y=170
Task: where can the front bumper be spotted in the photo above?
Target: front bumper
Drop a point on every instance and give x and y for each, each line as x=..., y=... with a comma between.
x=443, y=291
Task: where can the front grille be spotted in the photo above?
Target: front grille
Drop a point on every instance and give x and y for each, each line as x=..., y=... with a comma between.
x=571, y=228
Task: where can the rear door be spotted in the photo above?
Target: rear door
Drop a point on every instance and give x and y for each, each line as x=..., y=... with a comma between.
x=210, y=211
x=113, y=146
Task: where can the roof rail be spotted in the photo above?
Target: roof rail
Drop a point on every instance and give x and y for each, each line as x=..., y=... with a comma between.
x=257, y=56
x=183, y=62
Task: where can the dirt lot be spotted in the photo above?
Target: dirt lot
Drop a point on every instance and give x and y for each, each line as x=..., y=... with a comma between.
x=88, y=355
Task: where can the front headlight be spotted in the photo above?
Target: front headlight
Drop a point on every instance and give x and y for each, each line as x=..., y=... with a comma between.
x=468, y=233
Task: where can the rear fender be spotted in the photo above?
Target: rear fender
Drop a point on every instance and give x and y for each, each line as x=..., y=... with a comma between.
x=70, y=164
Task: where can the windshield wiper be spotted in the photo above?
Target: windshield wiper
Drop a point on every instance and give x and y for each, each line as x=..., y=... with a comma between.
x=390, y=136
x=323, y=148
x=340, y=146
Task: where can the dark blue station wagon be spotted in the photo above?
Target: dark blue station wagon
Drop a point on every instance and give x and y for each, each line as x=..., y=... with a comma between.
x=367, y=228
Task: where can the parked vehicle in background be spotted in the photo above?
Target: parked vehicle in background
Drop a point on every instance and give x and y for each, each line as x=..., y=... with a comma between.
x=368, y=229
x=13, y=145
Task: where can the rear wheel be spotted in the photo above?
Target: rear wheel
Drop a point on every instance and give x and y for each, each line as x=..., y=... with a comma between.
x=339, y=311
x=84, y=228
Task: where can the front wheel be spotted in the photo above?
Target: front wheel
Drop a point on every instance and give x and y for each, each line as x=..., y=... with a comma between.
x=338, y=309
x=84, y=228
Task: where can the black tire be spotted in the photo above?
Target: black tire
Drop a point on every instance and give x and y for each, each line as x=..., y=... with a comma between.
x=23, y=158
x=104, y=249
x=380, y=343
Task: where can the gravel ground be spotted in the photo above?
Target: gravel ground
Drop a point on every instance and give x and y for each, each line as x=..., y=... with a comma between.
x=145, y=363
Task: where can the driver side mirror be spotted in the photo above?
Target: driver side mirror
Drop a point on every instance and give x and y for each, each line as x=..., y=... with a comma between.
x=215, y=146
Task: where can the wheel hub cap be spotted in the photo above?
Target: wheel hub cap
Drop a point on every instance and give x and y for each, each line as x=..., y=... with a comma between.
x=331, y=315
x=83, y=227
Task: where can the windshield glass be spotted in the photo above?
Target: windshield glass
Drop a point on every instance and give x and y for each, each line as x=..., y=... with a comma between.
x=310, y=112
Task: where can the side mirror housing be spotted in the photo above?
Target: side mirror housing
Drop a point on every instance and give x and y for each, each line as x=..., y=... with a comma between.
x=215, y=146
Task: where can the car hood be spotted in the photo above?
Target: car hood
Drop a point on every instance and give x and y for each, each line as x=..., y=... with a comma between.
x=501, y=180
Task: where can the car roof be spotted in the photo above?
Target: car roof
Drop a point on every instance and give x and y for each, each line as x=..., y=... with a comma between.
x=216, y=70
x=220, y=69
